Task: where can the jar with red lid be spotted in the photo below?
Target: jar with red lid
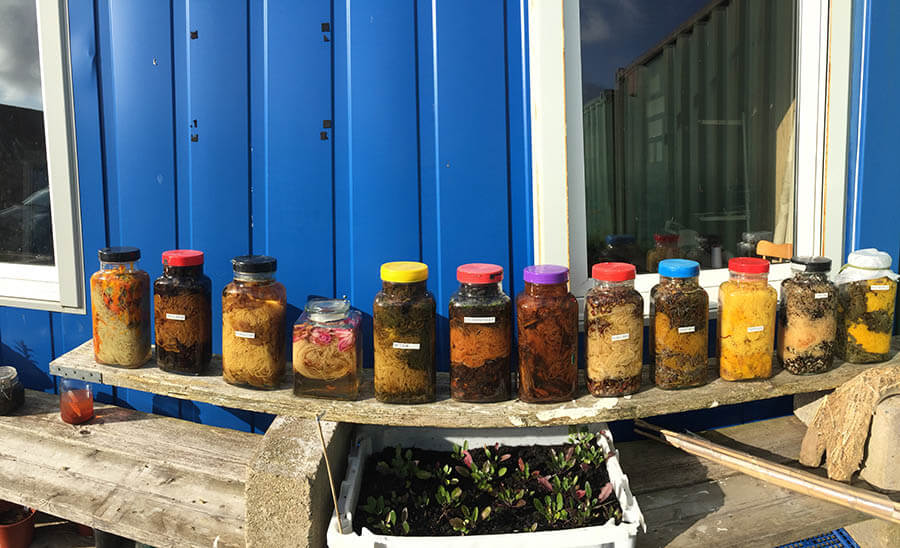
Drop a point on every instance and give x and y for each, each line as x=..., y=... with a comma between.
x=182, y=304
x=614, y=331
x=548, y=336
x=665, y=247
x=480, y=335
x=746, y=321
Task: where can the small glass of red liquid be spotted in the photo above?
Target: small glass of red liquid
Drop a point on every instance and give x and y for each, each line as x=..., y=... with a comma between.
x=76, y=401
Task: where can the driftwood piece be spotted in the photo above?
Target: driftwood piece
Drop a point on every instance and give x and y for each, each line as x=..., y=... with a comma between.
x=841, y=425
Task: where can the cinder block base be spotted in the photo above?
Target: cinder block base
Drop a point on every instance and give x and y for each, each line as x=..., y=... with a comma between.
x=288, y=497
x=882, y=464
x=806, y=405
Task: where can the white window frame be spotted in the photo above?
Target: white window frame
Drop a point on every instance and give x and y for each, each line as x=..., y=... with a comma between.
x=557, y=140
x=59, y=287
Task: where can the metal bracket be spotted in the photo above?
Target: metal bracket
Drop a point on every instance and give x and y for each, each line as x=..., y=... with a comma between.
x=71, y=373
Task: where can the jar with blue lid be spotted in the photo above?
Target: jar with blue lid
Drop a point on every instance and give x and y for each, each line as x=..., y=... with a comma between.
x=679, y=317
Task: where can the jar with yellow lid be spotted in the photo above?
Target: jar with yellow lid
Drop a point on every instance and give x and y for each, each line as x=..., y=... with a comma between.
x=404, y=331
x=746, y=321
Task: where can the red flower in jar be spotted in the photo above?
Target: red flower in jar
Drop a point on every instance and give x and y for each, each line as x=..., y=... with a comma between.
x=345, y=339
x=320, y=336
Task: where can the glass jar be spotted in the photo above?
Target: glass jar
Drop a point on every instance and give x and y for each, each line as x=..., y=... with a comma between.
x=404, y=331
x=182, y=304
x=749, y=240
x=480, y=335
x=253, y=308
x=120, y=308
x=327, y=350
x=807, y=317
x=614, y=331
x=665, y=247
x=548, y=336
x=12, y=392
x=867, y=293
x=679, y=323
x=76, y=401
x=746, y=321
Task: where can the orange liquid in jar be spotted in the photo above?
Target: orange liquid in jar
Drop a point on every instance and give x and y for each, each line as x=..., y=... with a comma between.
x=76, y=406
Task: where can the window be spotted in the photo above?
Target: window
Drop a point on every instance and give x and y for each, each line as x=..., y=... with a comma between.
x=699, y=123
x=40, y=235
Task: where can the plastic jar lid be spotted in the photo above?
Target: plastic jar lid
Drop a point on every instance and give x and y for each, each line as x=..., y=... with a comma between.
x=748, y=265
x=869, y=258
x=546, y=274
x=182, y=257
x=810, y=264
x=327, y=310
x=479, y=273
x=8, y=376
x=667, y=238
x=119, y=254
x=613, y=272
x=254, y=264
x=678, y=268
x=404, y=272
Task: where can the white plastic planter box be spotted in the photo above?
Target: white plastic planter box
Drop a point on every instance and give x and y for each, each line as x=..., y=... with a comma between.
x=371, y=439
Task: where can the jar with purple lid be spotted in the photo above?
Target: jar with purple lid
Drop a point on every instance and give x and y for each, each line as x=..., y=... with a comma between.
x=548, y=336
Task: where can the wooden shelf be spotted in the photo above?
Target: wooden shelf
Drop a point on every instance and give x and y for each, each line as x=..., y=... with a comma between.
x=650, y=401
x=161, y=481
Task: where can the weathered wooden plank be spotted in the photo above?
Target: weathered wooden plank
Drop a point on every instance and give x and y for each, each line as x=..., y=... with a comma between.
x=448, y=413
x=161, y=481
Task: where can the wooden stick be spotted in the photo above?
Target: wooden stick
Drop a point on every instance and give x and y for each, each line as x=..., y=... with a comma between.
x=777, y=474
x=334, y=497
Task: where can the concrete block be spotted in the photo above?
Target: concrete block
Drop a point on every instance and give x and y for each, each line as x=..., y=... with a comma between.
x=288, y=496
x=875, y=533
x=806, y=405
x=882, y=464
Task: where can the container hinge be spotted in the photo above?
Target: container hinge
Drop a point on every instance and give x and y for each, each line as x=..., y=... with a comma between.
x=73, y=373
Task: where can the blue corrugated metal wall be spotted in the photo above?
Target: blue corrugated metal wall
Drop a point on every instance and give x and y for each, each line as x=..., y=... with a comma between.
x=333, y=135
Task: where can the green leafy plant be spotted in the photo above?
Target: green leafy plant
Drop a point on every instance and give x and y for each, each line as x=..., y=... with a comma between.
x=466, y=524
x=562, y=461
x=384, y=519
x=511, y=498
x=586, y=448
x=445, y=475
x=403, y=466
x=483, y=476
x=552, y=509
x=448, y=498
x=588, y=506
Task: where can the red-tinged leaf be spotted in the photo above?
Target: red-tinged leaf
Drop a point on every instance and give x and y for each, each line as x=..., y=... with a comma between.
x=605, y=492
x=585, y=467
x=462, y=471
x=536, y=473
x=467, y=459
x=579, y=494
x=506, y=457
x=545, y=483
x=570, y=452
x=521, y=464
x=519, y=503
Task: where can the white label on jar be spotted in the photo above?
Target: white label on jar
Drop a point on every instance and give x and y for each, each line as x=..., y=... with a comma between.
x=179, y=317
x=879, y=287
x=244, y=335
x=821, y=295
x=756, y=329
x=622, y=337
x=476, y=319
x=406, y=346
x=688, y=329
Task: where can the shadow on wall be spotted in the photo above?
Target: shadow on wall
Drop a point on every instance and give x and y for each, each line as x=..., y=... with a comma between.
x=21, y=356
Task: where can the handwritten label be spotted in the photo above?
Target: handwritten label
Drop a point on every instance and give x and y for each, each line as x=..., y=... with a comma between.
x=244, y=335
x=756, y=329
x=476, y=319
x=179, y=317
x=821, y=295
x=879, y=287
x=406, y=346
x=688, y=329
x=622, y=337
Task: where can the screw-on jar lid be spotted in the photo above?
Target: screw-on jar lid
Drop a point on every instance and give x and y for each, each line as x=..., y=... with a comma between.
x=619, y=239
x=8, y=376
x=254, y=264
x=748, y=265
x=546, y=274
x=678, y=268
x=182, y=257
x=119, y=254
x=613, y=272
x=667, y=238
x=810, y=264
x=479, y=273
x=327, y=310
x=404, y=272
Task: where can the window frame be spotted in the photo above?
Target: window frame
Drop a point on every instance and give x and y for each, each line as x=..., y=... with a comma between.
x=59, y=287
x=823, y=76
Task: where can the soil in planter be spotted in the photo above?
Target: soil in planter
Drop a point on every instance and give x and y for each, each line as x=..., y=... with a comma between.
x=415, y=492
x=14, y=515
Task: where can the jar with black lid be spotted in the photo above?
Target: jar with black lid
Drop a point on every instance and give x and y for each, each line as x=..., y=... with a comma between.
x=120, y=308
x=12, y=392
x=183, y=313
x=807, y=317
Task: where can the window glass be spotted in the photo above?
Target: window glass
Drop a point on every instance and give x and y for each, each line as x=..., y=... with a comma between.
x=25, y=224
x=689, y=128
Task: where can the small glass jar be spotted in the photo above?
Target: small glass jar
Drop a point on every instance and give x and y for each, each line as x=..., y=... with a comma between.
x=746, y=321
x=76, y=401
x=404, y=330
x=183, y=313
x=120, y=308
x=749, y=240
x=867, y=293
x=679, y=324
x=253, y=309
x=480, y=335
x=614, y=331
x=807, y=317
x=665, y=247
x=327, y=350
x=12, y=392
x=548, y=336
